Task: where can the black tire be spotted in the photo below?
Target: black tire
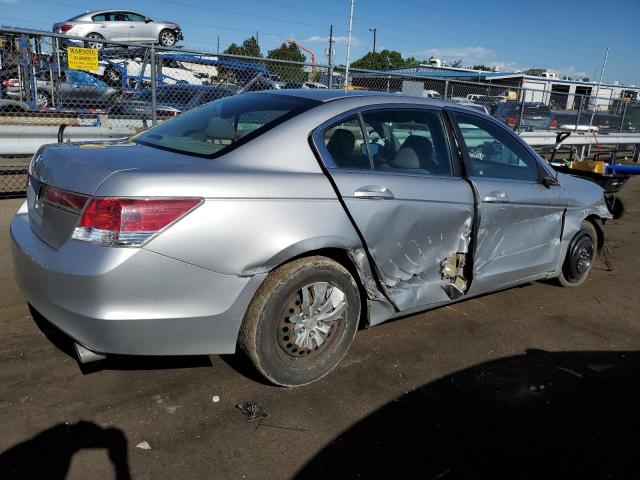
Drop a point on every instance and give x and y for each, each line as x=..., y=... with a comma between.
x=267, y=327
x=580, y=256
x=615, y=206
x=94, y=44
x=167, y=38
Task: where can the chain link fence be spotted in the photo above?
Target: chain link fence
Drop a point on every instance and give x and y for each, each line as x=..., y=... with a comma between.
x=136, y=86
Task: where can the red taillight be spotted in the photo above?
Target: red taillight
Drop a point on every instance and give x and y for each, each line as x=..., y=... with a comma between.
x=554, y=123
x=62, y=198
x=12, y=82
x=64, y=28
x=128, y=221
x=512, y=122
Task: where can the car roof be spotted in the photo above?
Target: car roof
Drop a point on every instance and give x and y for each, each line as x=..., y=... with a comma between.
x=333, y=94
x=96, y=12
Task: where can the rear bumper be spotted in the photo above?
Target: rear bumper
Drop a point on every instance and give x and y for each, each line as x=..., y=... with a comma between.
x=130, y=301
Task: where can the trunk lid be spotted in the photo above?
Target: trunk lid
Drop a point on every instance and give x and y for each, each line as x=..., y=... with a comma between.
x=81, y=169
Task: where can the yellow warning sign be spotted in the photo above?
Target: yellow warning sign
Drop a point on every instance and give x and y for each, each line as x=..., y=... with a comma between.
x=513, y=95
x=82, y=58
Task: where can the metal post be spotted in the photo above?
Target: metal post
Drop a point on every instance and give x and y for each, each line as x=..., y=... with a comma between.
x=330, y=56
x=152, y=66
x=624, y=113
x=346, y=71
x=579, y=111
x=374, y=30
x=595, y=106
x=524, y=94
x=218, y=48
x=446, y=88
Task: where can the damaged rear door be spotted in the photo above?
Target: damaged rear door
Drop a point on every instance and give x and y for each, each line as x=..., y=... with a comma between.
x=520, y=215
x=394, y=171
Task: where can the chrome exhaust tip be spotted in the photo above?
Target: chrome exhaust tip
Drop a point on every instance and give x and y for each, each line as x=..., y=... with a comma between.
x=87, y=356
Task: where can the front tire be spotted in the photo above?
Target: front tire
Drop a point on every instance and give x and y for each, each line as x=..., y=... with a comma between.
x=580, y=256
x=167, y=38
x=302, y=321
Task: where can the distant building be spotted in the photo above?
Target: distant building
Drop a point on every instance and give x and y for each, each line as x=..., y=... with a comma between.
x=543, y=87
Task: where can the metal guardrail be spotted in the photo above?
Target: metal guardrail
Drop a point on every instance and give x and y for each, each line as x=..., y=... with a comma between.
x=543, y=138
x=26, y=139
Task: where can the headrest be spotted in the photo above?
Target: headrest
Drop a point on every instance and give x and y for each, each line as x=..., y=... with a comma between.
x=420, y=145
x=406, y=158
x=342, y=142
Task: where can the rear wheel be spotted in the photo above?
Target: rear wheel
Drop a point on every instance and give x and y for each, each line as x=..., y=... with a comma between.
x=301, y=321
x=43, y=100
x=93, y=43
x=580, y=257
x=167, y=38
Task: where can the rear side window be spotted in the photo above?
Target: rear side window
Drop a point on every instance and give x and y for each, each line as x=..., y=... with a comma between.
x=346, y=145
x=217, y=127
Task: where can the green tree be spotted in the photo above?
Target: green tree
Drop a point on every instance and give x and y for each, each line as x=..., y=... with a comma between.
x=483, y=68
x=383, y=60
x=288, y=71
x=249, y=48
x=456, y=63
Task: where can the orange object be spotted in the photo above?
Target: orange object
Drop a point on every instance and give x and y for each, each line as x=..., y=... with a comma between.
x=596, y=166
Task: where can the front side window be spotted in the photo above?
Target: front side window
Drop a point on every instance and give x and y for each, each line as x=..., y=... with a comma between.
x=346, y=145
x=408, y=141
x=121, y=17
x=494, y=152
x=216, y=127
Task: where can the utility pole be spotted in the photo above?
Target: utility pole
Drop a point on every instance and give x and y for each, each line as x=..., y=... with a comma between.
x=330, y=53
x=257, y=38
x=374, y=30
x=218, y=49
x=346, y=71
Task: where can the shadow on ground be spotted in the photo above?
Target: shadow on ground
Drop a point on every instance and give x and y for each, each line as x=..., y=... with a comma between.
x=539, y=415
x=48, y=454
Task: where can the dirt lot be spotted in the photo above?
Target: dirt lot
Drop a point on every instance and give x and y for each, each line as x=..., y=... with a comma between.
x=533, y=382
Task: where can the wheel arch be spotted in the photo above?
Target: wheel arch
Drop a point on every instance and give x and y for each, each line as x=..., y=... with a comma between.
x=375, y=307
x=597, y=223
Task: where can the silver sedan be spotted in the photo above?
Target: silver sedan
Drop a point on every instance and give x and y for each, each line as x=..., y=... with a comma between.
x=119, y=25
x=280, y=222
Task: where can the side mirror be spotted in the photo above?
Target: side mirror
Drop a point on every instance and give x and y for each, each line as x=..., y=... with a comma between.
x=147, y=20
x=549, y=181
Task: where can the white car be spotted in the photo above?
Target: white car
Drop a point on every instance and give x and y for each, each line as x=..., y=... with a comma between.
x=119, y=25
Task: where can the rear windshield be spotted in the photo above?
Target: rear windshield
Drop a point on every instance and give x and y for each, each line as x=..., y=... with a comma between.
x=219, y=126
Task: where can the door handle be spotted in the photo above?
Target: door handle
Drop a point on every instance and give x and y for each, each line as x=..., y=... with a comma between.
x=374, y=192
x=497, y=197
